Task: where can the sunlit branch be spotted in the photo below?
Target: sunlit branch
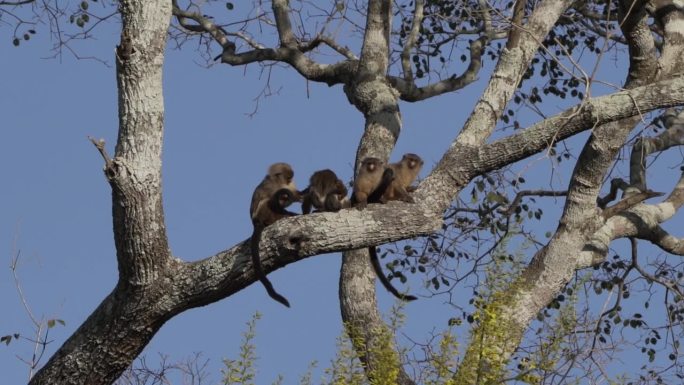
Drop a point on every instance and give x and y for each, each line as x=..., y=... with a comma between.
x=410, y=43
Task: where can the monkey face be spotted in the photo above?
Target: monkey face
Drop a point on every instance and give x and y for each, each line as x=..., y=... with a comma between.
x=281, y=171
x=412, y=160
x=372, y=164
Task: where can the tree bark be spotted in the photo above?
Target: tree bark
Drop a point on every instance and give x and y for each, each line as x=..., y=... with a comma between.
x=123, y=324
x=154, y=286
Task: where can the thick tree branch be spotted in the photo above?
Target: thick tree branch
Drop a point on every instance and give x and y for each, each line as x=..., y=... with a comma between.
x=122, y=325
x=293, y=239
x=661, y=238
x=281, y=12
x=375, y=50
x=552, y=267
x=446, y=180
x=462, y=163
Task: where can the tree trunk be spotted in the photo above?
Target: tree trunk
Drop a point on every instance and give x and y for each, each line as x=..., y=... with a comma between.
x=123, y=324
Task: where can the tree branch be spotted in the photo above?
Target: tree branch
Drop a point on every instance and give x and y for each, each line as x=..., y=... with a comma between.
x=292, y=239
x=289, y=52
x=672, y=136
x=410, y=93
x=410, y=43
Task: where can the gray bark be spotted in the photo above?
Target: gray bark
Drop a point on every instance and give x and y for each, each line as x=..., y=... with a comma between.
x=117, y=331
x=154, y=286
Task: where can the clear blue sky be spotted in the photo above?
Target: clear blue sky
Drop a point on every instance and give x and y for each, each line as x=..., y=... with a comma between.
x=56, y=204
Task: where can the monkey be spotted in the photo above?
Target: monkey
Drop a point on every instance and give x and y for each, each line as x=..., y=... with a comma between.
x=326, y=192
x=373, y=181
x=373, y=176
x=405, y=172
x=269, y=200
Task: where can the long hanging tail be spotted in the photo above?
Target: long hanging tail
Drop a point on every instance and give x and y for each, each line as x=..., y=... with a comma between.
x=256, y=262
x=381, y=276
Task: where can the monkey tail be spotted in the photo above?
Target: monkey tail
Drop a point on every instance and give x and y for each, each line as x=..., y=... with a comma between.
x=383, y=279
x=256, y=262
x=387, y=178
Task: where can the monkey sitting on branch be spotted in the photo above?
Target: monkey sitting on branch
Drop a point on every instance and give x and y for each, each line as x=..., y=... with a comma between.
x=326, y=192
x=269, y=200
x=378, y=184
x=404, y=174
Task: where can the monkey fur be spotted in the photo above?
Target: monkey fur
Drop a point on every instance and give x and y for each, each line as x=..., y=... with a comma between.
x=326, y=192
x=269, y=200
x=373, y=182
x=405, y=173
x=373, y=176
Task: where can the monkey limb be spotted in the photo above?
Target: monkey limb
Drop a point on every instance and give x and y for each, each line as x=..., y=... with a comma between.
x=269, y=200
x=405, y=173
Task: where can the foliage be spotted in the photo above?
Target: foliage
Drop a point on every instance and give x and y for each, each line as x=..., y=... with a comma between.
x=241, y=370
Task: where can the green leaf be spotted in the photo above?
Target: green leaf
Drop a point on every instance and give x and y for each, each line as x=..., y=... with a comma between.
x=51, y=323
x=495, y=197
x=6, y=339
x=230, y=6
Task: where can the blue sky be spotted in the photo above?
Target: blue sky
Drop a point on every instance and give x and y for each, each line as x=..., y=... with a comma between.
x=56, y=204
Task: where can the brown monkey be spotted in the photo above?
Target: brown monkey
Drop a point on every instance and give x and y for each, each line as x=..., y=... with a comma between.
x=269, y=200
x=405, y=172
x=372, y=176
x=326, y=192
x=373, y=181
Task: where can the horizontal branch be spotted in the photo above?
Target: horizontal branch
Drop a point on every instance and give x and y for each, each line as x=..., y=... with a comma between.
x=293, y=239
x=591, y=113
x=661, y=238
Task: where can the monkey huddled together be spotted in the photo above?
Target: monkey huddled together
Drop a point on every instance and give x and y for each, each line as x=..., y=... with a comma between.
x=376, y=183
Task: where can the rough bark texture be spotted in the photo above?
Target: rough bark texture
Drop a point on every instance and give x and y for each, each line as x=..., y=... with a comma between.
x=372, y=95
x=581, y=225
x=154, y=286
x=123, y=324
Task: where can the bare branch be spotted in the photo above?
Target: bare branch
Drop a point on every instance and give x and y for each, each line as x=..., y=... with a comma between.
x=410, y=93
x=411, y=42
x=661, y=238
x=22, y=2
x=281, y=12
x=516, y=24
x=289, y=53
x=630, y=201
x=615, y=185
x=663, y=281
x=521, y=194
x=672, y=136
